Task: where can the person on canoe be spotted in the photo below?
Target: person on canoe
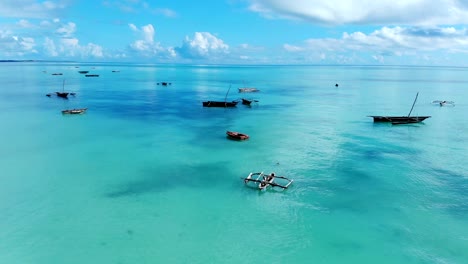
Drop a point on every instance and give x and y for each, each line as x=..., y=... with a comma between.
x=269, y=178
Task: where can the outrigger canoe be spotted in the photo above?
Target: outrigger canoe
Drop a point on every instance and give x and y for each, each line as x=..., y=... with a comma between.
x=74, y=111
x=444, y=103
x=248, y=90
x=265, y=181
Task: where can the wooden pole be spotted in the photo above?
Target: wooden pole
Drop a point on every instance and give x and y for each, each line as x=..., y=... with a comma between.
x=225, y=98
x=413, y=104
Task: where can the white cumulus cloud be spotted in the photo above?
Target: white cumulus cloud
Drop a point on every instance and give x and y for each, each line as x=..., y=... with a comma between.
x=50, y=48
x=388, y=42
x=31, y=8
x=71, y=48
x=67, y=30
x=146, y=46
x=13, y=45
x=25, y=24
x=133, y=27
x=292, y=48
x=148, y=33
x=165, y=12
x=18, y=42
x=382, y=12
x=202, y=45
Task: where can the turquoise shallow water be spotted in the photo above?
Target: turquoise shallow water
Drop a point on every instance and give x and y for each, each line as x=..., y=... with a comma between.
x=148, y=176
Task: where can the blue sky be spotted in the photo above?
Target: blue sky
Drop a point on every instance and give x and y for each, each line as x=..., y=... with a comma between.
x=384, y=32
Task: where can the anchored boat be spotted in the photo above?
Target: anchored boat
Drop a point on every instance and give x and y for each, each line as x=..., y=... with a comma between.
x=62, y=94
x=224, y=103
x=248, y=102
x=398, y=120
x=219, y=104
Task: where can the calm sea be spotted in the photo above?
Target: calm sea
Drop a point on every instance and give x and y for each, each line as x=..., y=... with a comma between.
x=147, y=175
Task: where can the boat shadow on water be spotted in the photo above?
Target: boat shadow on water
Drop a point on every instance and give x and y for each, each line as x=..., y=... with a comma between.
x=392, y=124
x=172, y=178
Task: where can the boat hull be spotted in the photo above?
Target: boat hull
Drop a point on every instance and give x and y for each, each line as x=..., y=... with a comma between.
x=219, y=104
x=399, y=119
x=248, y=90
x=74, y=111
x=62, y=94
x=246, y=102
x=236, y=135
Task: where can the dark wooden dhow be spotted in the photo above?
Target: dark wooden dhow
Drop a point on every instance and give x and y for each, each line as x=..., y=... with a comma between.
x=219, y=104
x=399, y=120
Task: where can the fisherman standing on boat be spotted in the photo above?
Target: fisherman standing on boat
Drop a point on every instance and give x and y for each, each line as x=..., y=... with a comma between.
x=266, y=180
x=269, y=177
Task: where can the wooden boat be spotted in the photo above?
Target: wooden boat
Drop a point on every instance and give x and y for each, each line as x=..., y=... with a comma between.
x=165, y=83
x=236, y=135
x=75, y=111
x=265, y=181
x=248, y=90
x=391, y=119
x=92, y=75
x=219, y=104
x=248, y=101
x=58, y=73
x=398, y=120
x=444, y=103
x=62, y=94
x=407, y=121
x=83, y=72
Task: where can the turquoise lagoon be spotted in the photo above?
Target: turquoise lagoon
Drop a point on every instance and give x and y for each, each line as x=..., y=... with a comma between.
x=147, y=175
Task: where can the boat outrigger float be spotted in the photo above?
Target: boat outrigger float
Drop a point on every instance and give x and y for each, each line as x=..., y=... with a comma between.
x=265, y=181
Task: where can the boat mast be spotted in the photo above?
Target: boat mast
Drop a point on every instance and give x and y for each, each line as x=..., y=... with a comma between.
x=225, y=98
x=413, y=104
x=63, y=86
